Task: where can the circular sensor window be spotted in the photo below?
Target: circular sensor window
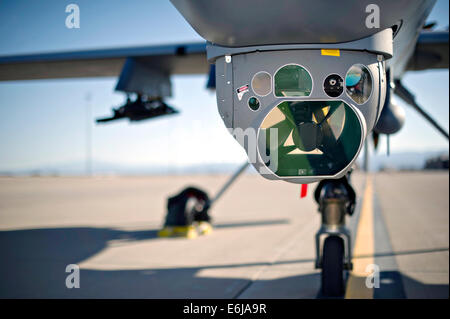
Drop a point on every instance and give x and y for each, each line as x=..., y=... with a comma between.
x=262, y=83
x=292, y=80
x=253, y=103
x=358, y=83
x=333, y=85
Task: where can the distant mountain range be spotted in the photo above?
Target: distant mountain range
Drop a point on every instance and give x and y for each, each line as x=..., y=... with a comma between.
x=396, y=161
x=402, y=160
x=103, y=168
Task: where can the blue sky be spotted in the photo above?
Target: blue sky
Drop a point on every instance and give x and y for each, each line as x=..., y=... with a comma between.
x=43, y=123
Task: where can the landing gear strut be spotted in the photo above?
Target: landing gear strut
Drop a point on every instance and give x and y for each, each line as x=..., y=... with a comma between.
x=336, y=198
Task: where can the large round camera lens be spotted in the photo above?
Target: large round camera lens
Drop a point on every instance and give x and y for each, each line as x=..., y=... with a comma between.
x=310, y=138
x=333, y=85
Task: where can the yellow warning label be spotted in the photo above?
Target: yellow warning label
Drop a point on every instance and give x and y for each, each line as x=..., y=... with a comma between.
x=332, y=52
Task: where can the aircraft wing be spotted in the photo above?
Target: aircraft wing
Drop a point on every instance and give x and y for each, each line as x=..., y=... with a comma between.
x=189, y=58
x=431, y=51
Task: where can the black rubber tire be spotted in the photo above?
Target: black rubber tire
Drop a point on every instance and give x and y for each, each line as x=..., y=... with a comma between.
x=333, y=267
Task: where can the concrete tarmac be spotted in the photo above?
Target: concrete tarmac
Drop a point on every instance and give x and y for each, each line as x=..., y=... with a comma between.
x=262, y=245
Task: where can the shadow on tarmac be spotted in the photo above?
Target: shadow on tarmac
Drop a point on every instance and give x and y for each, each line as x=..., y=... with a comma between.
x=33, y=265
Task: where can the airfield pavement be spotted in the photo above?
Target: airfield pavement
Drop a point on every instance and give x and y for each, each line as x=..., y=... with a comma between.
x=262, y=245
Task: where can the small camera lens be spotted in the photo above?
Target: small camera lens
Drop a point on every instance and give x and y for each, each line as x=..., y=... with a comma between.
x=333, y=85
x=253, y=103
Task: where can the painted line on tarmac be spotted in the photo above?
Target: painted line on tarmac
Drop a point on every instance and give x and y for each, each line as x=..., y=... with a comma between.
x=364, y=246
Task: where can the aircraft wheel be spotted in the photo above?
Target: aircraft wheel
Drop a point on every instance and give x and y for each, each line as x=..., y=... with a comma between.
x=333, y=267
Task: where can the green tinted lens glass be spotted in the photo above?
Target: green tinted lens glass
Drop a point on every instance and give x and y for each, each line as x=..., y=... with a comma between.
x=253, y=103
x=292, y=80
x=314, y=138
